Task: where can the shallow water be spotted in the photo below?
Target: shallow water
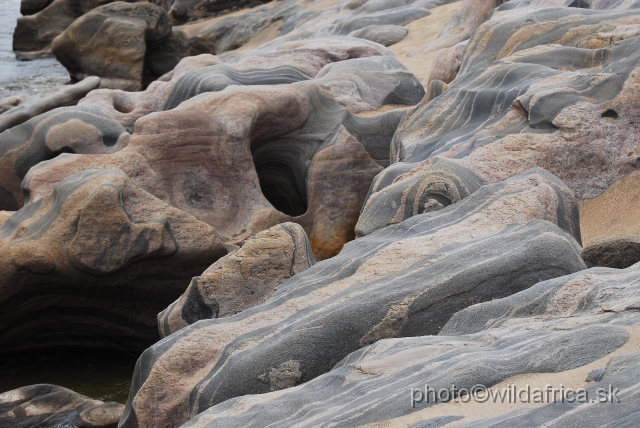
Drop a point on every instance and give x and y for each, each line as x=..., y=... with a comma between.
x=94, y=374
x=19, y=78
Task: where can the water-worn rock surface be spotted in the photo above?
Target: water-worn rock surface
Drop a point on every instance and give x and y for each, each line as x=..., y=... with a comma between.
x=553, y=327
x=50, y=405
x=19, y=110
x=111, y=41
x=243, y=279
x=266, y=154
x=405, y=280
x=93, y=263
x=89, y=129
x=439, y=159
x=400, y=192
x=550, y=87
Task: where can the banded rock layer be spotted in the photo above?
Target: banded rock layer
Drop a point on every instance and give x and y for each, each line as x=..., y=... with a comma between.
x=262, y=155
x=86, y=129
x=400, y=192
x=404, y=280
x=92, y=264
x=554, y=87
x=584, y=322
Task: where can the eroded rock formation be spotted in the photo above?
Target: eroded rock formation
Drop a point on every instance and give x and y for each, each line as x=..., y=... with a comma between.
x=266, y=154
x=47, y=405
x=87, y=129
x=24, y=109
x=243, y=279
x=268, y=125
x=111, y=42
x=404, y=280
x=535, y=90
x=92, y=263
x=400, y=192
x=582, y=323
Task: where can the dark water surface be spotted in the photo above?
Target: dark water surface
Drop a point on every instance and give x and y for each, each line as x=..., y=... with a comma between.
x=96, y=374
x=19, y=78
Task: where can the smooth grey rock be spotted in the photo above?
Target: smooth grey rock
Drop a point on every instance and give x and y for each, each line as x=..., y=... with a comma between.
x=386, y=35
x=365, y=84
x=554, y=326
x=393, y=198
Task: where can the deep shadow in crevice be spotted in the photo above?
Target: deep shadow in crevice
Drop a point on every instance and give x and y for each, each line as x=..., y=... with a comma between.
x=610, y=114
x=280, y=187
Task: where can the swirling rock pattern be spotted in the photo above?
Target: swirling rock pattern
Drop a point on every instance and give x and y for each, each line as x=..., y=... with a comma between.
x=45, y=405
x=87, y=129
x=362, y=79
x=404, y=280
x=243, y=279
x=100, y=245
x=548, y=87
x=127, y=107
x=562, y=324
x=111, y=42
x=400, y=192
x=258, y=156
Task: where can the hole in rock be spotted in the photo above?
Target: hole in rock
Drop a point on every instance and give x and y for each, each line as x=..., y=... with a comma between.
x=610, y=113
x=281, y=187
x=581, y=4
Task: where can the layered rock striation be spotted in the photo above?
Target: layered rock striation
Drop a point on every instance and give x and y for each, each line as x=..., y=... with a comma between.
x=403, y=280
x=47, y=405
x=91, y=264
x=582, y=323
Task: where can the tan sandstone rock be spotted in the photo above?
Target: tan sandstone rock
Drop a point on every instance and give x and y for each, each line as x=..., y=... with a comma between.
x=243, y=279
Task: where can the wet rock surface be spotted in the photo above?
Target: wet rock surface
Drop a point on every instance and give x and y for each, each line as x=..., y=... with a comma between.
x=50, y=405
